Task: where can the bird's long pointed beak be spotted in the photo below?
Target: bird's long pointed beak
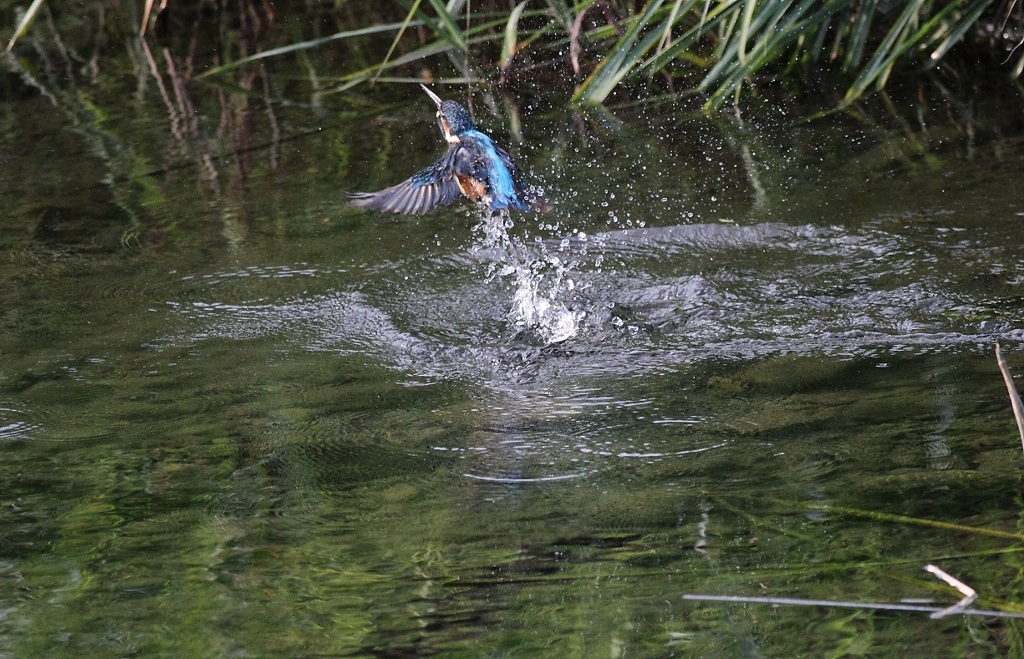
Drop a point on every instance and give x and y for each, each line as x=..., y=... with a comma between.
x=434, y=97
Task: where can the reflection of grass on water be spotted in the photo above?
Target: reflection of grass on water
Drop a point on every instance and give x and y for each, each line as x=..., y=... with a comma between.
x=228, y=81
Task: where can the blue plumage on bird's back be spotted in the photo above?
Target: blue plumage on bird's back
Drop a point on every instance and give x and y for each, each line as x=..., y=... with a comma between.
x=498, y=178
x=474, y=167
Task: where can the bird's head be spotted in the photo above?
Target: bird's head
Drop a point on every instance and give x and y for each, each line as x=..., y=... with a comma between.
x=452, y=118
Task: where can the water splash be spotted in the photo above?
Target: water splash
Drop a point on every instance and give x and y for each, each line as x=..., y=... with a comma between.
x=541, y=281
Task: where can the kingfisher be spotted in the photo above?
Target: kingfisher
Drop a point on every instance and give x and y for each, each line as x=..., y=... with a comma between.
x=473, y=166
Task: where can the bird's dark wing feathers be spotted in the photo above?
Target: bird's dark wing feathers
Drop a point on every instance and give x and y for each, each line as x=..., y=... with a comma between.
x=524, y=191
x=465, y=163
x=420, y=193
x=438, y=184
x=473, y=163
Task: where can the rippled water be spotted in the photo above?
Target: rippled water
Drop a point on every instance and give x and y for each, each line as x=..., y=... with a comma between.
x=240, y=418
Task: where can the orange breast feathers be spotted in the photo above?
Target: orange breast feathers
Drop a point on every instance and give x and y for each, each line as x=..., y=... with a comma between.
x=471, y=187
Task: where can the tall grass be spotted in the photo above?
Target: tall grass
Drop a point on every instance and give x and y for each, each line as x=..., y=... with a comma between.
x=716, y=48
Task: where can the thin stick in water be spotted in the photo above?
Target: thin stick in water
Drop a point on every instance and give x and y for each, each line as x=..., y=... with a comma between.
x=969, y=593
x=1015, y=401
x=881, y=606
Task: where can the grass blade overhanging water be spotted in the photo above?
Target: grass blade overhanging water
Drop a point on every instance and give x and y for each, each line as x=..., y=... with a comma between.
x=714, y=48
x=749, y=35
x=398, y=37
x=304, y=45
x=511, y=41
x=624, y=57
x=775, y=29
x=900, y=38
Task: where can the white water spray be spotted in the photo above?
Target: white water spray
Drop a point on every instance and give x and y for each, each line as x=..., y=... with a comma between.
x=540, y=279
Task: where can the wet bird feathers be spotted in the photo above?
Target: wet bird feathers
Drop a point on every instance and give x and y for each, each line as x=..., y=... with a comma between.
x=475, y=167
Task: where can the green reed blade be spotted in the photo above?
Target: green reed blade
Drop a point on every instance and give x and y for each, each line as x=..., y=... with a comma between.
x=966, y=22
x=303, y=45
x=919, y=521
x=511, y=41
x=449, y=28
x=24, y=24
x=394, y=42
x=860, y=33
x=624, y=58
x=898, y=41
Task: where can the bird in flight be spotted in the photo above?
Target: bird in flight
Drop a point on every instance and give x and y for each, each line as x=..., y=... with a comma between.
x=473, y=166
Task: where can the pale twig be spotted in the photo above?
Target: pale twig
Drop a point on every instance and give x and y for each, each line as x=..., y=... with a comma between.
x=1015, y=402
x=969, y=593
x=577, y=30
x=23, y=25
x=935, y=612
x=146, y=12
x=171, y=110
x=882, y=606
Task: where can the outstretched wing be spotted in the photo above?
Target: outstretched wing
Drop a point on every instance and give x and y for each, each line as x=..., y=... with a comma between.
x=420, y=193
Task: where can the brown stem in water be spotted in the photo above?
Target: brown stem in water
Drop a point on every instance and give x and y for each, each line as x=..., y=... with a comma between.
x=1015, y=401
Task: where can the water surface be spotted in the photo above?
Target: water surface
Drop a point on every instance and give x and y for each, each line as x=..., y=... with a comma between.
x=238, y=417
